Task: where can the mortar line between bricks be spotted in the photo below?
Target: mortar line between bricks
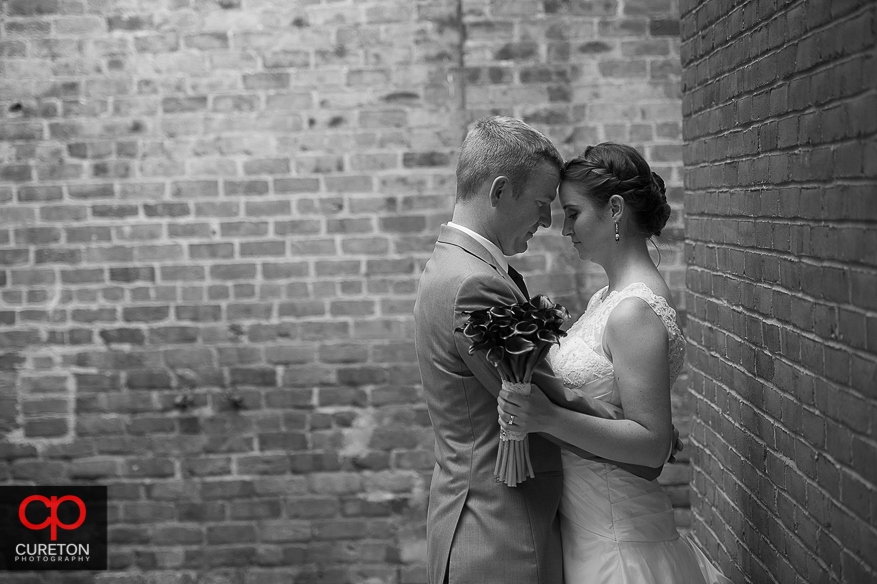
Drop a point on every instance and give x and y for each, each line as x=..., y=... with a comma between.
x=784, y=428
x=753, y=529
x=780, y=390
x=797, y=221
x=788, y=462
x=755, y=126
x=809, y=408
x=808, y=260
x=863, y=354
x=798, y=74
x=765, y=317
x=811, y=261
x=835, y=19
x=835, y=182
x=756, y=499
x=779, y=150
x=852, y=14
x=729, y=501
x=704, y=524
x=700, y=7
x=737, y=33
x=742, y=127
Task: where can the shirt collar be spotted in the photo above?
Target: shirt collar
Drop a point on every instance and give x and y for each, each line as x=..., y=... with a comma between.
x=488, y=245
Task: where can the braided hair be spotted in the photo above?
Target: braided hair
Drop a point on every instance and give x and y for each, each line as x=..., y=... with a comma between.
x=618, y=169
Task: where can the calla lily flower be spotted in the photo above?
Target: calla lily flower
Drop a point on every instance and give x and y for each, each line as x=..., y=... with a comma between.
x=518, y=346
x=510, y=334
x=526, y=328
x=495, y=355
x=547, y=336
x=500, y=311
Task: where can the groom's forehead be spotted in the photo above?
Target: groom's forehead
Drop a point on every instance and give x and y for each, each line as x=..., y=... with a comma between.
x=541, y=185
x=552, y=184
x=544, y=192
x=547, y=177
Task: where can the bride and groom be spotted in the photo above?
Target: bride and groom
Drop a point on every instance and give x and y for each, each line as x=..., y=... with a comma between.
x=599, y=411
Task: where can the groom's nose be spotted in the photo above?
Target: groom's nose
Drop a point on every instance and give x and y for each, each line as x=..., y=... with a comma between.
x=545, y=216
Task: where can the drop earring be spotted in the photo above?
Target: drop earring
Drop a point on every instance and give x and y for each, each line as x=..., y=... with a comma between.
x=617, y=235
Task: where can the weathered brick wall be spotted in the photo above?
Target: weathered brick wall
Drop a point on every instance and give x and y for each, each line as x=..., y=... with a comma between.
x=780, y=115
x=213, y=214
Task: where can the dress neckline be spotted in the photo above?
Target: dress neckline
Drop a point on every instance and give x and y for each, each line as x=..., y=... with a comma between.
x=582, y=350
x=605, y=294
x=663, y=304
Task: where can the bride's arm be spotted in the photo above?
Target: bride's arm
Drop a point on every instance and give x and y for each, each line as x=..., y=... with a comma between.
x=638, y=342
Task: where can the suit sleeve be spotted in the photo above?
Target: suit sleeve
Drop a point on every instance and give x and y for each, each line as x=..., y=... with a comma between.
x=479, y=292
x=475, y=293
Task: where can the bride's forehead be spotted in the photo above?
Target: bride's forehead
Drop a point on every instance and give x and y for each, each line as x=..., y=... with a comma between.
x=570, y=191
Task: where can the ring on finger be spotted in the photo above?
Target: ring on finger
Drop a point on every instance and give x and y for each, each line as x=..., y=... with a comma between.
x=512, y=420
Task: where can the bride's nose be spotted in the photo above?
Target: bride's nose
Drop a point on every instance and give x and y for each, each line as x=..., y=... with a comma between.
x=567, y=228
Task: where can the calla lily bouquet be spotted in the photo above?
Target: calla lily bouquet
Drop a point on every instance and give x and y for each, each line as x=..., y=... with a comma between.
x=515, y=339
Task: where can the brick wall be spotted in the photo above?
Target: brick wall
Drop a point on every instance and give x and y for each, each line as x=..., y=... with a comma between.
x=213, y=214
x=780, y=115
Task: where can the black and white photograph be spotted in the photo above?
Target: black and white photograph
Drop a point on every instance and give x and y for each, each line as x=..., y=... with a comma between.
x=438, y=292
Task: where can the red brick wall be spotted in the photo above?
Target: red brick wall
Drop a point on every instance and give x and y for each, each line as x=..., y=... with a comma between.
x=780, y=115
x=213, y=214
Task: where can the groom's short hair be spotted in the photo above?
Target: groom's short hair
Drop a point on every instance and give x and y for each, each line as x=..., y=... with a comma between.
x=501, y=146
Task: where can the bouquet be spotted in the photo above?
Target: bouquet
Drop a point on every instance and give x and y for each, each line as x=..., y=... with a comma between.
x=515, y=338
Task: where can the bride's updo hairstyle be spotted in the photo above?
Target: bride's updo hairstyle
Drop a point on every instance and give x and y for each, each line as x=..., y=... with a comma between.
x=618, y=169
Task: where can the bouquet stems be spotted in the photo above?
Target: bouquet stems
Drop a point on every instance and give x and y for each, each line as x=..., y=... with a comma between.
x=513, y=464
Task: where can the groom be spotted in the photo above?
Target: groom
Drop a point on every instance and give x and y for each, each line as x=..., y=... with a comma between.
x=480, y=530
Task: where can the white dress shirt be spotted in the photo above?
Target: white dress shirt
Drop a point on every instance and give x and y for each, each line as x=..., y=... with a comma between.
x=489, y=245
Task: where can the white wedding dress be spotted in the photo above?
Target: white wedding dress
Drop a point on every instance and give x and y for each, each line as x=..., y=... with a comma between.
x=618, y=528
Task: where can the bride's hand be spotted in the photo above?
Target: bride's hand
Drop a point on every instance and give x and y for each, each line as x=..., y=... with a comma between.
x=677, y=446
x=533, y=413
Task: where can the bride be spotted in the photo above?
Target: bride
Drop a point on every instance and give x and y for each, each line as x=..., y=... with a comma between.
x=626, y=349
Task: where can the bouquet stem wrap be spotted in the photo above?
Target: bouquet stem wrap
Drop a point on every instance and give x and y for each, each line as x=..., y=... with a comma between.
x=513, y=464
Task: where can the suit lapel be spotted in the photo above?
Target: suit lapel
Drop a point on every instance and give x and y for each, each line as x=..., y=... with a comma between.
x=455, y=237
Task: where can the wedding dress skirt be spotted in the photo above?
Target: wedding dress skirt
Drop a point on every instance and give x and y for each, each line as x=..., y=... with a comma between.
x=619, y=529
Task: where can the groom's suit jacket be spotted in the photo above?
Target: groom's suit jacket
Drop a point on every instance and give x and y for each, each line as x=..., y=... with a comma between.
x=480, y=530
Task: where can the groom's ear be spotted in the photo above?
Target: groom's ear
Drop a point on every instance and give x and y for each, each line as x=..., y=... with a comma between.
x=499, y=188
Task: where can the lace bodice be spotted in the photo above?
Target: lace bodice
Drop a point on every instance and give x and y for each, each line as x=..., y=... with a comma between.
x=579, y=360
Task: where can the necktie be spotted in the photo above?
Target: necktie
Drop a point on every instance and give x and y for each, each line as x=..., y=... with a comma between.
x=519, y=280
